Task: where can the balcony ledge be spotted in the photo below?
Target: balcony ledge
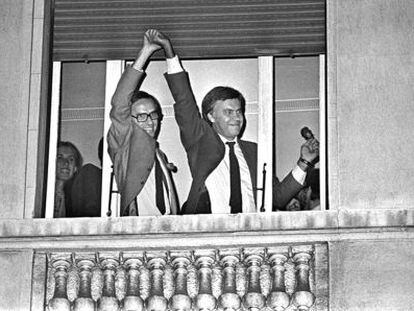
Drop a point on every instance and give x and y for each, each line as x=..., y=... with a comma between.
x=198, y=230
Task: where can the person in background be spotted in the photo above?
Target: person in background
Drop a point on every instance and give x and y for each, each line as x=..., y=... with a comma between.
x=308, y=198
x=141, y=169
x=86, y=190
x=294, y=204
x=223, y=166
x=68, y=163
x=312, y=195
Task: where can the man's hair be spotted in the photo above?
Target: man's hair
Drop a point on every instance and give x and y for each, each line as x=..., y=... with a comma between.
x=76, y=153
x=137, y=95
x=220, y=93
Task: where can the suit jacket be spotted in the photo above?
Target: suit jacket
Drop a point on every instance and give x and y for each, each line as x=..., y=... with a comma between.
x=86, y=193
x=131, y=149
x=205, y=150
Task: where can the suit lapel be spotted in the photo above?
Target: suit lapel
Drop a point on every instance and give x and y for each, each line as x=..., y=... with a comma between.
x=167, y=181
x=250, y=155
x=140, y=162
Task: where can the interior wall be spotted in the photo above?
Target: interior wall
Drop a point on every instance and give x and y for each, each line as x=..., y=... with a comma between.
x=82, y=104
x=297, y=105
x=370, y=98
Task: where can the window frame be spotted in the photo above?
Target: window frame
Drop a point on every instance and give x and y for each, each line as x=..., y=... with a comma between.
x=265, y=137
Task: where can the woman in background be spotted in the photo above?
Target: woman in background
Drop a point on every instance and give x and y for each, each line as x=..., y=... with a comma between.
x=68, y=163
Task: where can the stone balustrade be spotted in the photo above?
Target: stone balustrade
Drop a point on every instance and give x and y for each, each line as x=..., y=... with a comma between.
x=280, y=277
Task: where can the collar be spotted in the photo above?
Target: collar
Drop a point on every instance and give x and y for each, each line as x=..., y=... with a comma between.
x=225, y=140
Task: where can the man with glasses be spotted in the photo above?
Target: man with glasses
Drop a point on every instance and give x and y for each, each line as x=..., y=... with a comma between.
x=142, y=172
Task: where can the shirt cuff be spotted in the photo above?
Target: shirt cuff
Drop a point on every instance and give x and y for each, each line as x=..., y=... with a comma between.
x=299, y=175
x=137, y=68
x=174, y=65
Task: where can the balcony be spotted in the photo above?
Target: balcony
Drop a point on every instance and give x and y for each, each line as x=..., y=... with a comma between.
x=200, y=262
x=277, y=277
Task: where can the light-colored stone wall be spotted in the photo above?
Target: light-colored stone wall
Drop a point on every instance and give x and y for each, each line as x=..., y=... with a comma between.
x=367, y=275
x=21, y=37
x=15, y=62
x=16, y=276
x=370, y=98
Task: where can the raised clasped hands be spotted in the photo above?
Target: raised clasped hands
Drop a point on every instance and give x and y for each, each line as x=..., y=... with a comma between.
x=155, y=40
x=309, y=151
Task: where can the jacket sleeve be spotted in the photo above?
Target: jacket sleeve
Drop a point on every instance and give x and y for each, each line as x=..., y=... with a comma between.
x=121, y=125
x=284, y=191
x=187, y=114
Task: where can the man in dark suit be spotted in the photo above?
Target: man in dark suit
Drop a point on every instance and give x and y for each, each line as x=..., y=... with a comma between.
x=223, y=166
x=142, y=172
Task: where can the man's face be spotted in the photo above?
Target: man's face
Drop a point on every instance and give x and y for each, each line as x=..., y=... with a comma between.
x=65, y=163
x=227, y=117
x=145, y=106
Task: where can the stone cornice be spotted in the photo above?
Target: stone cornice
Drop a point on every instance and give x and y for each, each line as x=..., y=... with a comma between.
x=207, y=230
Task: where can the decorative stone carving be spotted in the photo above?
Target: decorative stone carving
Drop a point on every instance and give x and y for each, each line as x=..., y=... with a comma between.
x=180, y=301
x=204, y=274
x=133, y=261
x=60, y=263
x=85, y=263
x=229, y=300
x=278, y=299
x=109, y=263
x=303, y=298
x=204, y=301
x=156, y=301
x=253, y=300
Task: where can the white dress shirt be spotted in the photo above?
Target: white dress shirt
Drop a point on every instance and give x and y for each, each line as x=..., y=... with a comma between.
x=146, y=201
x=218, y=183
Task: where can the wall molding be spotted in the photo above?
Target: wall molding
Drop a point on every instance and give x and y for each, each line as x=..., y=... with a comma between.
x=297, y=105
x=283, y=105
x=82, y=114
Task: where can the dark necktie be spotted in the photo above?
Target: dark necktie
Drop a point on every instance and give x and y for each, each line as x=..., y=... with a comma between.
x=159, y=190
x=235, y=187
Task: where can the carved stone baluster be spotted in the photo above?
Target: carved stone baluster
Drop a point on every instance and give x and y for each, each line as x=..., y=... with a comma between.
x=132, y=300
x=303, y=298
x=278, y=299
x=109, y=264
x=229, y=300
x=204, y=301
x=254, y=300
x=156, y=301
x=180, y=301
x=85, y=263
x=60, y=302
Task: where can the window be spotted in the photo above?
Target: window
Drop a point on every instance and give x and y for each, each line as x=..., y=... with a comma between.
x=84, y=33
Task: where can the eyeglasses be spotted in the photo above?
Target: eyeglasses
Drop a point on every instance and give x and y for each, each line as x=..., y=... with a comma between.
x=143, y=117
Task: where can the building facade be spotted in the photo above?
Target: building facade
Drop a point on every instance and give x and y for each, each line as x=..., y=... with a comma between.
x=355, y=256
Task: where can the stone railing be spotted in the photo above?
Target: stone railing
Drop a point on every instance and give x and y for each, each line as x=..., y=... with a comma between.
x=37, y=254
x=280, y=277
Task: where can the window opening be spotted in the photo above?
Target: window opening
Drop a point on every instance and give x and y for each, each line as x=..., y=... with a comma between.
x=262, y=113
